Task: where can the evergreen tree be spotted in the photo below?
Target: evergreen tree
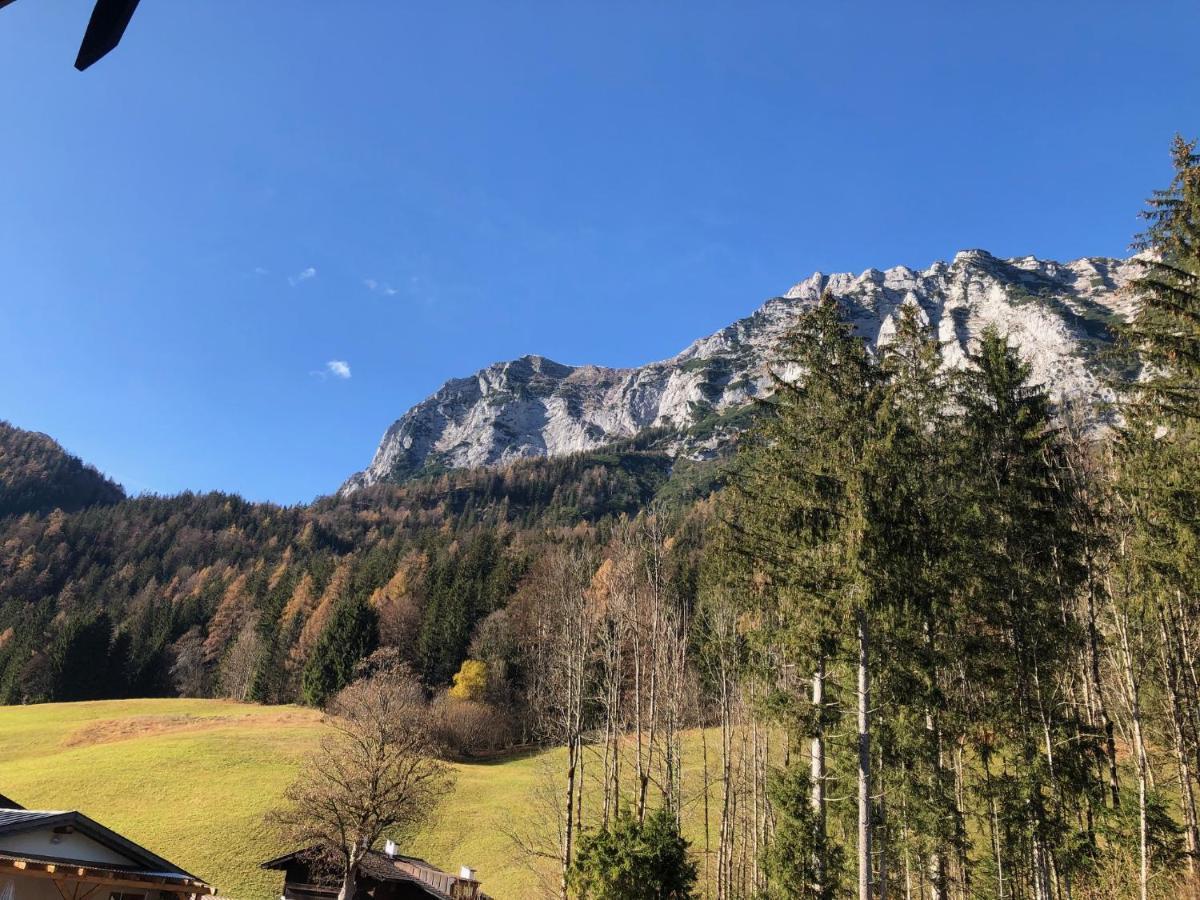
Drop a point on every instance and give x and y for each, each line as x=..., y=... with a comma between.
x=1157, y=604
x=350, y=636
x=798, y=520
x=789, y=861
x=915, y=558
x=632, y=860
x=81, y=660
x=1165, y=333
x=1017, y=651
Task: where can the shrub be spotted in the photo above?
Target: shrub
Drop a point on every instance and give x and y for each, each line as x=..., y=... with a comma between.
x=471, y=681
x=468, y=727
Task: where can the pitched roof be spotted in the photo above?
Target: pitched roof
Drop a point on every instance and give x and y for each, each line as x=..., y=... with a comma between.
x=398, y=868
x=10, y=818
x=16, y=821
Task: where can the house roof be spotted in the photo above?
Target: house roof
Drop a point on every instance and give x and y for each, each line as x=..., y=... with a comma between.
x=309, y=853
x=95, y=867
x=397, y=868
x=142, y=861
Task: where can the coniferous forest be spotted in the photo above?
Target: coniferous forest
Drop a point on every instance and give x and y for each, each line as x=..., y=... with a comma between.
x=941, y=633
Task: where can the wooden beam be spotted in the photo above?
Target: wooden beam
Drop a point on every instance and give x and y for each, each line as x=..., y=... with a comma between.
x=106, y=878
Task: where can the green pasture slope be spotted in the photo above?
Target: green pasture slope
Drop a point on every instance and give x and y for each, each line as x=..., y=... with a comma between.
x=191, y=780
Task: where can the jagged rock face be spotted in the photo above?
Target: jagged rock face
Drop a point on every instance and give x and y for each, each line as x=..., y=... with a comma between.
x=1060, y=314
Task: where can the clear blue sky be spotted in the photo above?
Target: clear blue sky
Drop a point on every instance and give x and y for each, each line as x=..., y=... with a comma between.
x=599, y=182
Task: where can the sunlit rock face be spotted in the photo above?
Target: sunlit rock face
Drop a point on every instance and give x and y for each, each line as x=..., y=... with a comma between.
x=1060, y=314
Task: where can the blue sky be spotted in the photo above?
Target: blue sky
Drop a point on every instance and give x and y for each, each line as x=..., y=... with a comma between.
x=193, y=230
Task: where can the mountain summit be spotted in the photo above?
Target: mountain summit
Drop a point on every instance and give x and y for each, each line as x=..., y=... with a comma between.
x=1060, y=314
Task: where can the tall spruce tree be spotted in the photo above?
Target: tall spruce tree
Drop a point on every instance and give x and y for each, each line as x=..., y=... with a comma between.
x=1165, y=331
x=1017, y=641
x=1158, y=489
x=797, y=519
x=351, y=635
x=915, y=554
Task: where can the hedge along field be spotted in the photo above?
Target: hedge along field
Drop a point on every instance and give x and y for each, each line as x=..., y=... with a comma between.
x=192, y=780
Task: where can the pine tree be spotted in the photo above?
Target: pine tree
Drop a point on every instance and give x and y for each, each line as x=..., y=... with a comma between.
x=1165, y=333
x=789, y=861
x=81, y=660
x=1018, y=516
x=350, y=636
x=634, y=860
x=914, y=558
x=1158, y=601
x=797, y=520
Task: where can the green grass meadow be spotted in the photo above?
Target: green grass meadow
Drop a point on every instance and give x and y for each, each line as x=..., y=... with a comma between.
x=192, y=779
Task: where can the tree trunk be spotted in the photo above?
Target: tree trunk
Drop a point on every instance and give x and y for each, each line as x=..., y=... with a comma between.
x=864, y=759
x=725, y=838
x=994, y=822
x=1097, y=691
x=707, y=831
x=817, y=773
x=349, y=887
x=1187, y=802
x=937, y=859
x=569, y=826
x=960, y=815
x=1133, y=699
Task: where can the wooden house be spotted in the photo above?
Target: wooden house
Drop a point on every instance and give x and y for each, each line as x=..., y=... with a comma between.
x=64, y=855
x=383, y=875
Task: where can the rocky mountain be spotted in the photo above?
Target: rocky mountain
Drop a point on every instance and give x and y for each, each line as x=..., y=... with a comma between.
x=1061, y=315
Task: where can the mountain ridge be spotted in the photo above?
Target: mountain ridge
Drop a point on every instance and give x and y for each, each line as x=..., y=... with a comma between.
x=38, y=475
x=1061, y=315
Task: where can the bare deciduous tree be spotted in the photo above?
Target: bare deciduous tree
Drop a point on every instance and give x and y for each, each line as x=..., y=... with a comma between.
x=237, y=666
x=375, y=775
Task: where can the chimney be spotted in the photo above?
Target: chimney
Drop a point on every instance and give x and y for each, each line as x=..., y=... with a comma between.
x=390, y=849
x=465, y=886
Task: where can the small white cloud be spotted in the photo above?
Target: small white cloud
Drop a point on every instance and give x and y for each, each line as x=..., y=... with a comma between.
x=380, y=287
x=308, y=273
x=338, y=368
x=259, y=270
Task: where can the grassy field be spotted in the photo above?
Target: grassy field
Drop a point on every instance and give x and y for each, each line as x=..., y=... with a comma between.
x=191, y=780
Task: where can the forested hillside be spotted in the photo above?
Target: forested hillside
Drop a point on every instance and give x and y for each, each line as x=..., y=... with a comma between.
x=209, y=594
x=37, y=475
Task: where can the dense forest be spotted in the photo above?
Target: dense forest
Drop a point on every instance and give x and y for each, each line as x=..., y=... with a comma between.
x=37, y=475
x=212, y=595
x=944, y=634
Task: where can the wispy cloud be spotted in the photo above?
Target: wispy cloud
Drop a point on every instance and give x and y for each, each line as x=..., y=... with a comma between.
x=308, y=273
x=259, y=270
x=380, y=287
x=338, y=368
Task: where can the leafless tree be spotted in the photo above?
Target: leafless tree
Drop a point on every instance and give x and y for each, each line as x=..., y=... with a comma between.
x=374, y=775
x=558, y=639
x=188, y=673
x=237, y=666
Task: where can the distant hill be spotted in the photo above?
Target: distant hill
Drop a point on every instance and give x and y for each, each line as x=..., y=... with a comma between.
x=38, y=475
x=176, y=589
